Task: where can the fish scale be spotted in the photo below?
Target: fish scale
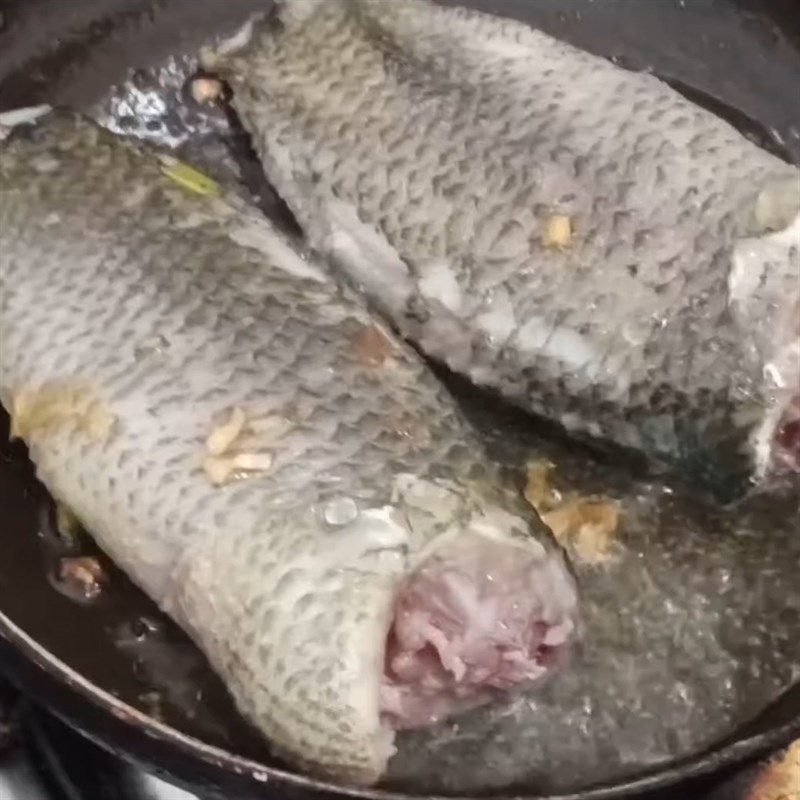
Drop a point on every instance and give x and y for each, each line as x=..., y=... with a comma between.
x=134, y=323
x=342, y=98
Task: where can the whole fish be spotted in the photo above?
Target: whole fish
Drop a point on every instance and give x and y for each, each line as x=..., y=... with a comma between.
x=279, y=473
x=582, y=238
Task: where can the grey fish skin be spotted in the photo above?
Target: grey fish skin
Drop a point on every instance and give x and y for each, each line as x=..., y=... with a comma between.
x=435, y=154
x=156, y=344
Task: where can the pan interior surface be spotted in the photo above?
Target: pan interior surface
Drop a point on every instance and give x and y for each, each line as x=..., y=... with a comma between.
x=129, y=662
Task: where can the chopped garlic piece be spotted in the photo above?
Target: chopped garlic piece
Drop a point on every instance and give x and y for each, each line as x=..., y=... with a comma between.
x=224, y=436
x=218, y=470
x=206, y=90
x=221, y=470
x=253, y=462
x=237, y=447
x=82, y=577
x=269, y=428
x=558, y=231
x=98, y=422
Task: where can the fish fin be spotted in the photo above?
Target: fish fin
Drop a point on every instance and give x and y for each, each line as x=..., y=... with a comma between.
x=365, y=254
x=21, y=116
x=252, y=230
x=371, y=263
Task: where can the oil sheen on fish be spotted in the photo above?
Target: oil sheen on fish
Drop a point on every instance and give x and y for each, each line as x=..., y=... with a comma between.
x=582, y=238
x=279, y=473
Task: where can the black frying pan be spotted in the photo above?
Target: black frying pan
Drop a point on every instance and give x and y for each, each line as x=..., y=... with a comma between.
x=116, y=668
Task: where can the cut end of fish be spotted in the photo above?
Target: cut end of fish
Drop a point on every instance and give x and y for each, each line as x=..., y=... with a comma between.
x=786, y=445
x=766, y=299
x=776, y=442
x=478, y=617
x=779, y=210
x=778, y=439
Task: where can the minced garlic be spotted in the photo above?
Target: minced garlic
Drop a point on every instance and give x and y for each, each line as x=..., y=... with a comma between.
x=224, y=436
x=558, y=231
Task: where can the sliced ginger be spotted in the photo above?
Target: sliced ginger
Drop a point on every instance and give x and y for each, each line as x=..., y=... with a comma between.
x=56, y=406
x=781, y=779
x=585, y=525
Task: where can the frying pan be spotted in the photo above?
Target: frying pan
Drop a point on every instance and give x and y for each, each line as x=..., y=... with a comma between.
x=119, y=671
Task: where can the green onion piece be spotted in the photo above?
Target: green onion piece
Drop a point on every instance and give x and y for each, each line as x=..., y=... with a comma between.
x=191, y=179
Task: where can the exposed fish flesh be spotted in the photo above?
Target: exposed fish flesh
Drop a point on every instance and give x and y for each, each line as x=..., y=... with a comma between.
x=279, y=473
x=661, y=674
x=582, y=238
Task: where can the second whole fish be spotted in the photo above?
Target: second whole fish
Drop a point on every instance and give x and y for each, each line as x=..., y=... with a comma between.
x=579, y=237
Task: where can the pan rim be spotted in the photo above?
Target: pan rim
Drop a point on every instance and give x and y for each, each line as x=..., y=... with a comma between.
x=138, y=723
